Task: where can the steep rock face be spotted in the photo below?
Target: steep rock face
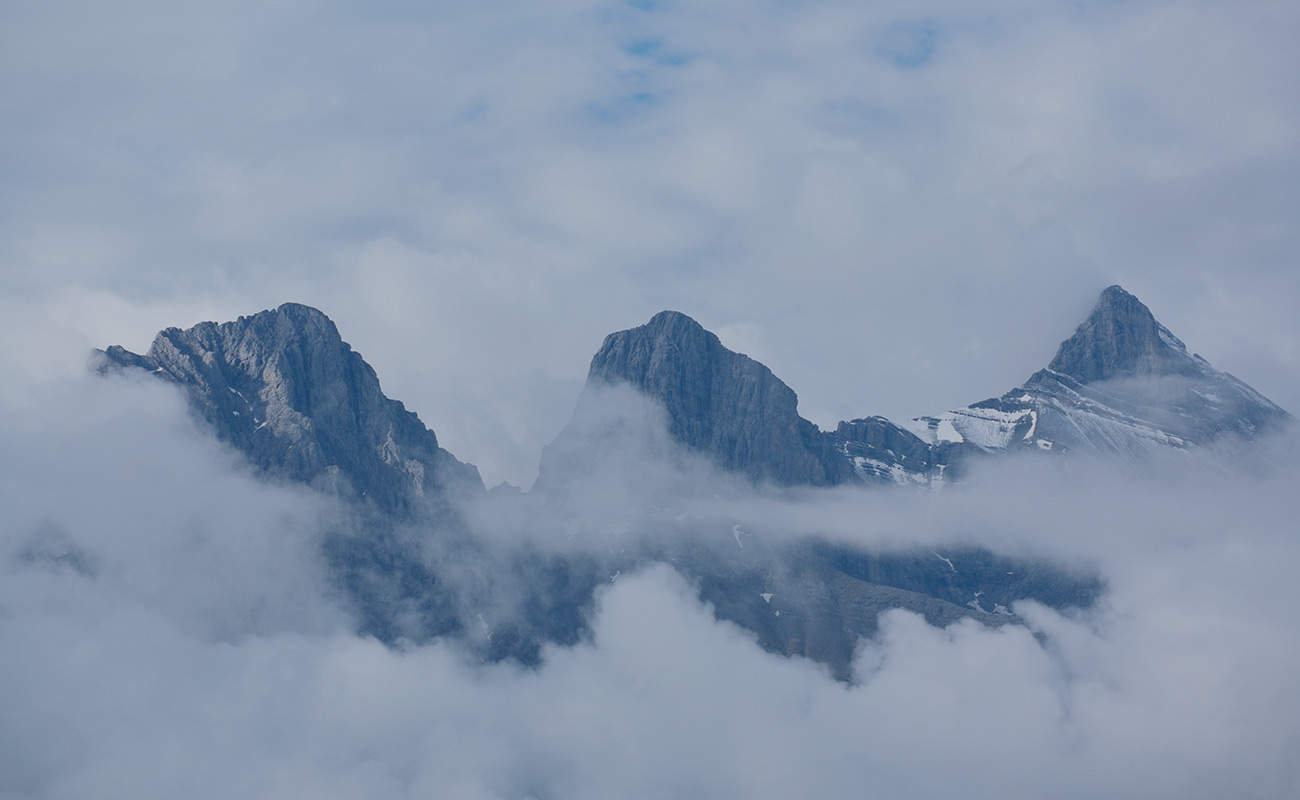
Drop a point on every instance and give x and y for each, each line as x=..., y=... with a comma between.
x=1121, y=339
x=286, y=390
x=734, y=411
x=1153, y=379
x=1122, y=385
x=719, y=402
x=282, y=387
x=881, y=452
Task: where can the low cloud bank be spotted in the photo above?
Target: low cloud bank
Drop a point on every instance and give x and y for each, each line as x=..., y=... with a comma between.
x=166, y=629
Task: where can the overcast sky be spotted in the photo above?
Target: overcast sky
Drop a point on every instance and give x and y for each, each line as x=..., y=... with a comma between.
x=899, y=207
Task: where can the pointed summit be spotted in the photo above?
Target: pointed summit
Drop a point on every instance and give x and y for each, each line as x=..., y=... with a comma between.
x=1123, y=385
x=1157, y=396
x=285, y=389
x=1121, y=339
x=665, y=351
x=717, y=402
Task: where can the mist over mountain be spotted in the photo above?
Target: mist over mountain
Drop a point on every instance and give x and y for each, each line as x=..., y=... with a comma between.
x=632, y=623
x=848, y=520
x=672, y=433
x=283, y=388
x=1122, y=386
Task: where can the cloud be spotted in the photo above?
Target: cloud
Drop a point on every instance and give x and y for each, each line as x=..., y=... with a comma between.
x=114, y=495
x=665, y=700
x=478, y=196
x=165, y=628
x=443, y=181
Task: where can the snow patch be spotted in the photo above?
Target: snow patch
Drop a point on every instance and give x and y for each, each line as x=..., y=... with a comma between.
x=869, y=467
x=986, y=428
x=946, y=431
x=1033, y=425
x=922, y=428
x=989, y=428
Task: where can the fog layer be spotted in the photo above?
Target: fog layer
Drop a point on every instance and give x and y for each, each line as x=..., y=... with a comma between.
x=166, y=629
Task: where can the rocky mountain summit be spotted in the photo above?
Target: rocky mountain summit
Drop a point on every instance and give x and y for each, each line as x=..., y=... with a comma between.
x=1122, y=385
x=286, y=391
x=283, y=388
x=717, y=402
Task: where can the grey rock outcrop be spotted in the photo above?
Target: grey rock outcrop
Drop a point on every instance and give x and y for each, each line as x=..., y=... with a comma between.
x=718, y=401
x=817, y=599
x=284, y=389
x=726, y=406
x=1122, y=385
x=1121, y=339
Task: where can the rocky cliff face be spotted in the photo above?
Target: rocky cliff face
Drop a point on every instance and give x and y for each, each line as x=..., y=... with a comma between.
x=1121, y=339
x=719, y=402
x=283, y=388
x=1121, y=385
x=728, y=407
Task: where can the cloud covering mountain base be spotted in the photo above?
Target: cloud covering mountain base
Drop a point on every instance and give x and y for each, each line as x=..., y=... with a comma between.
x=166, y=628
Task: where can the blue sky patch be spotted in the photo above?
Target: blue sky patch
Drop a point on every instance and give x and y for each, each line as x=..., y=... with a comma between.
x=910, y=45
x=623, y=107
x=654, y=50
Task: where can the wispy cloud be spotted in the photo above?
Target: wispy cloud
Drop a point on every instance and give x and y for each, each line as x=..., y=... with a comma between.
x=203, y=654
x=899, y=207
x=873, y=186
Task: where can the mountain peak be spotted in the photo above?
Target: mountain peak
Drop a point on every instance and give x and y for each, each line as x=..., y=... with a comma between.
x=670, y=318
x=1116, y=294
x=299, y=313
x=284, y=388
x=1121, y=338
x=716, y=401
x=656, y=351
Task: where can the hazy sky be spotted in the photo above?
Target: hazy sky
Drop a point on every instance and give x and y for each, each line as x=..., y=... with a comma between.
x=899, y=207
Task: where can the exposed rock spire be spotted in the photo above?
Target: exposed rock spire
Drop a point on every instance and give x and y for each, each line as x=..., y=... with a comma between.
x=1121, y=339
x=720, y=402
x=283, y=387
x=727, y=406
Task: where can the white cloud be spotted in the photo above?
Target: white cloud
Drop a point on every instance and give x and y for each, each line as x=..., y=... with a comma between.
x=478, y=196
x=165, y=629
x=587, y=164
